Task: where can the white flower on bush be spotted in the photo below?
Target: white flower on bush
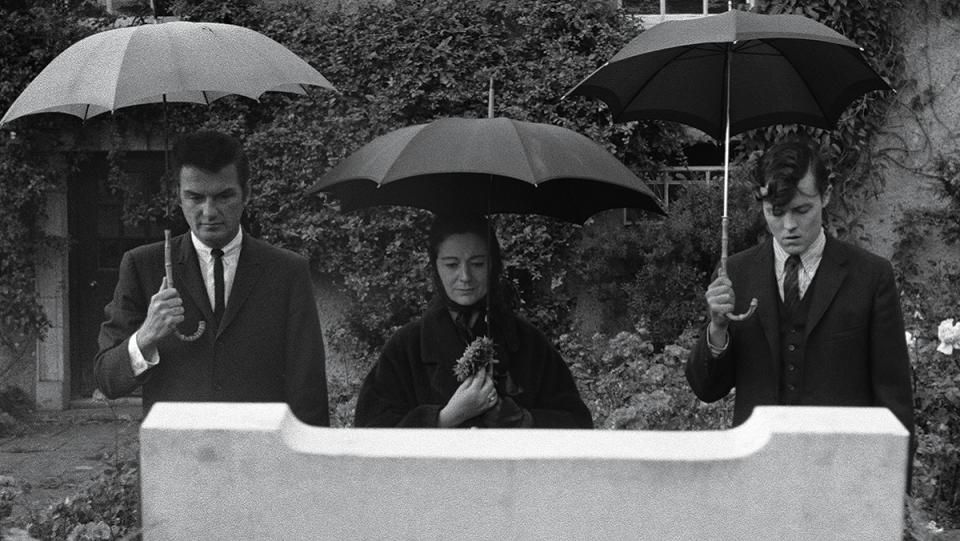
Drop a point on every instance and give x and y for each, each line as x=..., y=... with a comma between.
x=911, y=341
x=949, y=335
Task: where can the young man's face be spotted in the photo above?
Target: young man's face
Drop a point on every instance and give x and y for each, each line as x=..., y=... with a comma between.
x=212, y=203
x=797, y=224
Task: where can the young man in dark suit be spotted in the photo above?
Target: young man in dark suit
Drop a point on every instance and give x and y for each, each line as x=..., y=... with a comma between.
x=828, y=328
x=262, y=339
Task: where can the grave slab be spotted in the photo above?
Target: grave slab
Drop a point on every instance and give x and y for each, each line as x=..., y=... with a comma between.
x=253, y=471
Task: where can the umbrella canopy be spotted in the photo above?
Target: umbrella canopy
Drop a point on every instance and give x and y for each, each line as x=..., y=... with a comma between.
x=484, y=166
x=175, y=61
x=775, y=69
x=728, y=73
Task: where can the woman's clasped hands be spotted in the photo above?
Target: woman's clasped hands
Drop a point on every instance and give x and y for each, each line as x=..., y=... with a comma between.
x=475, y=396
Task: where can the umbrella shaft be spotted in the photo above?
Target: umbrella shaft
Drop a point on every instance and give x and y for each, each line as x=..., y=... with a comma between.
x=723, y=245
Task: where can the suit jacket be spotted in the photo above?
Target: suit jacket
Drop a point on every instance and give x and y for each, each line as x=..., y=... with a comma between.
x=855, y=355
x=268, y=347
x=414, y=378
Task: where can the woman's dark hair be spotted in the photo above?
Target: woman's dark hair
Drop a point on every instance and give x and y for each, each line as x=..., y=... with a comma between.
x=444, y=226
x=211, y=151
x=784, y=165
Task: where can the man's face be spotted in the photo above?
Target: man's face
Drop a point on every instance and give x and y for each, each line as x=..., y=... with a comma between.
x=212, y=203
x=463, y=265
x=797, y=224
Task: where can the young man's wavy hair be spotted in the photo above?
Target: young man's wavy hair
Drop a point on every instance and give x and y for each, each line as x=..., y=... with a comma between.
x=784, y=165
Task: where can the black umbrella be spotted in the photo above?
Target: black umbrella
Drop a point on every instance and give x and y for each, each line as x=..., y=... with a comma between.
x=485, y=166
x=732, y=72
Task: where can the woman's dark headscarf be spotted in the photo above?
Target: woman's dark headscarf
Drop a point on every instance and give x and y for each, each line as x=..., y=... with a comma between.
x=446, y=226
x=494, y=309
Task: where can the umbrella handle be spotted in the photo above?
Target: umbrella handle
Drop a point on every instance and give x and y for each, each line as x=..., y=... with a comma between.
x=168, y=272
x=724, y=237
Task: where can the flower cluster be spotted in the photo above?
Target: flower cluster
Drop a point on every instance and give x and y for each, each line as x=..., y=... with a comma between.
x=479, y=355
x=949, y=335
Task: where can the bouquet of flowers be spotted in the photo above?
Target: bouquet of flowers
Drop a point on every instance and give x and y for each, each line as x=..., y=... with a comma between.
x=479, y=355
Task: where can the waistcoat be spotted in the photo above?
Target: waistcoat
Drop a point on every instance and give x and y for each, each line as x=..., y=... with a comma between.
x=792, y=347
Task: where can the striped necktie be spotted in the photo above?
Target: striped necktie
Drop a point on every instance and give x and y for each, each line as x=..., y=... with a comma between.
x=791, y=284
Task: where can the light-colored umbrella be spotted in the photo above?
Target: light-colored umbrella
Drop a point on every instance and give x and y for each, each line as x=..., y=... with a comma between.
x=193, y=62
x=168, y=62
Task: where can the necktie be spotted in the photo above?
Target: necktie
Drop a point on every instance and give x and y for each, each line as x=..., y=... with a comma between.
x=218, y=287
x=791, y=284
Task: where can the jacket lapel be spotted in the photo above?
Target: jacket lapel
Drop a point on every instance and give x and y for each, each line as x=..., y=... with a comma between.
x=830, y=275
x=249, y=269
x=440, y=347
x=764, y=288
x=188, y=281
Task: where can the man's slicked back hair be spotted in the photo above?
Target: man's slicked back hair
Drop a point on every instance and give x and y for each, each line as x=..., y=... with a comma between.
x=211, y=151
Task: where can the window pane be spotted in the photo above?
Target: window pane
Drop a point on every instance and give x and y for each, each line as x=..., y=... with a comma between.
x=643, y=7
x=684, y=6
x=717, y=6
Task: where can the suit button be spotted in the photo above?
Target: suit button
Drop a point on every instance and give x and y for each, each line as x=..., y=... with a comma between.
x=218, y=387
x=792, y=347
x=791, y=367
x=791, y=387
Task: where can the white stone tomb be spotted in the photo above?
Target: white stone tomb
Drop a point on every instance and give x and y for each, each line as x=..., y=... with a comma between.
x=253, y=471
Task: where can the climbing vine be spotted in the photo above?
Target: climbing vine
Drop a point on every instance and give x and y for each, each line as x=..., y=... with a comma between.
x=30, y=37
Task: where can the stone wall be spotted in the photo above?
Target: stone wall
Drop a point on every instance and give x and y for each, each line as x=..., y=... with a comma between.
x=923, y=123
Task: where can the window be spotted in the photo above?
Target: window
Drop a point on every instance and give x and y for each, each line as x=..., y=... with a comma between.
x=652, y=12
x=674, y=7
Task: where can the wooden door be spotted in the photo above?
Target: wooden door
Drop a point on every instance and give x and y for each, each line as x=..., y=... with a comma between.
x=99, y=237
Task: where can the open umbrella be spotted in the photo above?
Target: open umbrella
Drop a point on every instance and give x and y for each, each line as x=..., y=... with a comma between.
x=487, y=166
x=178, y=61
x=168, y=62
x=732, y=72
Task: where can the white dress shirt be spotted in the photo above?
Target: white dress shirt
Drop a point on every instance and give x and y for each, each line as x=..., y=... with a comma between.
x=809, y=263
x=231, y=255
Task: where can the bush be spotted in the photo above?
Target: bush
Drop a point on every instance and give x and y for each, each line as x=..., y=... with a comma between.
x=15, y=407
x=628, y=384
x=659, y=269
x=108, y=508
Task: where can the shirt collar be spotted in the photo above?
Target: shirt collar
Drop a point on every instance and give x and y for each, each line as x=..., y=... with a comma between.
x=231, y=249
x=809, y=259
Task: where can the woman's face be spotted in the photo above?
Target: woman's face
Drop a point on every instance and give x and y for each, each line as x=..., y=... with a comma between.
x=463, y=263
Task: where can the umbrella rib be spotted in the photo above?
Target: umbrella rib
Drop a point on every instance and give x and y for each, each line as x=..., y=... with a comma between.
x=806, y=85
x=681, y=52
x=526, y=154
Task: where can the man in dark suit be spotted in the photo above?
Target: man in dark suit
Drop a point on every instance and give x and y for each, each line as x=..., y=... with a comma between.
x=260, y=338
x=828, y=328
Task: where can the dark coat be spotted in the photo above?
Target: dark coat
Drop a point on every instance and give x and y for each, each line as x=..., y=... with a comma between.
x=414, y=379
x=268, y=347
x=855, y=354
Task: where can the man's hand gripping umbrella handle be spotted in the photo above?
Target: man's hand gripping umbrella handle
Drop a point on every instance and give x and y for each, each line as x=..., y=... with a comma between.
x=168, y=270
x=723, y=272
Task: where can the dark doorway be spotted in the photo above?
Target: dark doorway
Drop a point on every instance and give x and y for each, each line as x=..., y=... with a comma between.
x=99, y=237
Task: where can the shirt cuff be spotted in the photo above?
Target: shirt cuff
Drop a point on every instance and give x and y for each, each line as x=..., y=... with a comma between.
x=715, y=350
x=138, y=362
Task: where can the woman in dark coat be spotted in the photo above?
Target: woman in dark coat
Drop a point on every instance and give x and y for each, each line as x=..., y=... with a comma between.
x=414, y=383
